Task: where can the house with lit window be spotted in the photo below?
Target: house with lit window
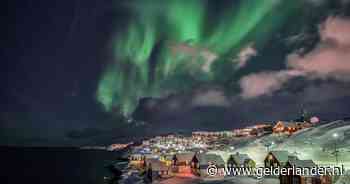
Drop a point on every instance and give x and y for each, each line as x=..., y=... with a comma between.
x=167, y=159
x=181, y=162
x=245, y=132
x=286, y=127
x=136, y=160
x=277, y=159
x=240, y=160
x=201, y=162
x=157, y=169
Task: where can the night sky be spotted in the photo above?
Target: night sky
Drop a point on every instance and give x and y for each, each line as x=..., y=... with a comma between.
x=77, y=72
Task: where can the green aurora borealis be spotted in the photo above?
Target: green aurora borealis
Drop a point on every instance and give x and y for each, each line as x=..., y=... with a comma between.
x=145, y=63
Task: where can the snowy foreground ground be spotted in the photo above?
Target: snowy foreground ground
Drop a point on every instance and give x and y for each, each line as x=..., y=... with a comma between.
x=235, y=180
x=317, y=143
x=181, y=180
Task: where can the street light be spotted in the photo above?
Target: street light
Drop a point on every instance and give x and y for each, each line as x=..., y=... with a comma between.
x=335, y=135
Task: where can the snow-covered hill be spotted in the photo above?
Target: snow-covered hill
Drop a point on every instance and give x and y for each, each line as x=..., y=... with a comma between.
x=317, y=143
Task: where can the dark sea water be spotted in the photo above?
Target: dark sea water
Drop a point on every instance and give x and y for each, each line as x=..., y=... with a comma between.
x=54, y=165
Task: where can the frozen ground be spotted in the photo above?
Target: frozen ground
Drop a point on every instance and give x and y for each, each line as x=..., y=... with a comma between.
x=317, y=143
x=234, y=180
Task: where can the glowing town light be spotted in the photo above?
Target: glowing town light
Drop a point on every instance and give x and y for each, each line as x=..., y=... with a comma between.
x=314, y=119
x=335, y=135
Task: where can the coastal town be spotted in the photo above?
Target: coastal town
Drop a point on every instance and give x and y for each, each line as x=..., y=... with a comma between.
x=162, y=158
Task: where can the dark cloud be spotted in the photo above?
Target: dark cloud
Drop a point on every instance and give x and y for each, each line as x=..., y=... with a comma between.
x=326, y=99
x=328, y=60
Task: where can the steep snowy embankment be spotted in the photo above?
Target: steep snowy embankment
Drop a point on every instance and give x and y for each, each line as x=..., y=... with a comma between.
x=317, y=143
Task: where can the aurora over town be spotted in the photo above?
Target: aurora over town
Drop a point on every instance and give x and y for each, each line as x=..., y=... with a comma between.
x=184, y=42
x=176, y=92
